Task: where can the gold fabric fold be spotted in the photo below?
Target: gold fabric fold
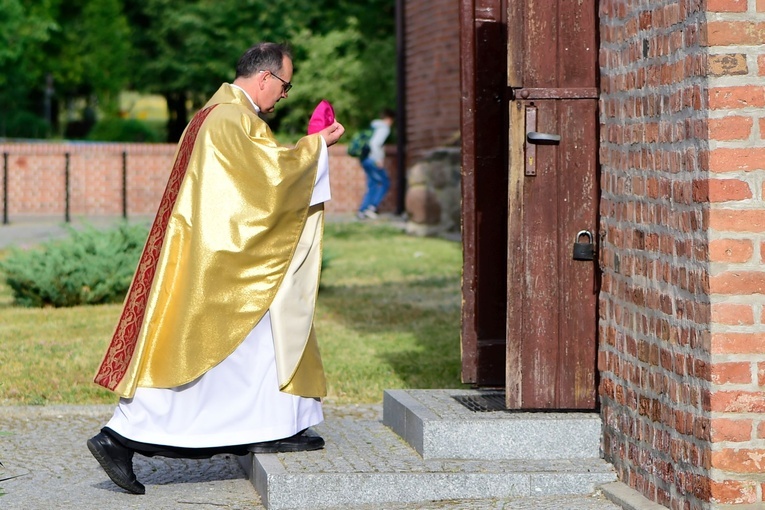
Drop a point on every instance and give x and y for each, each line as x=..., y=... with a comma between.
x=227, y=245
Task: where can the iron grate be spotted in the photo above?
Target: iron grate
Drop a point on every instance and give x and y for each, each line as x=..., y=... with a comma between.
x=483, y=403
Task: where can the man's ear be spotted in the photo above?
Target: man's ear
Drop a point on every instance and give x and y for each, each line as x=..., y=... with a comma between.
x=261, y=80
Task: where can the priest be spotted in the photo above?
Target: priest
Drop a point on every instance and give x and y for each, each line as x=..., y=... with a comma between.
x=214, y=351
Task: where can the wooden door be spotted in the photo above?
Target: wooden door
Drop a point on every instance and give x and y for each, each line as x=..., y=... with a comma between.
x=483, y=76
x=553, y=195
x=529, y=317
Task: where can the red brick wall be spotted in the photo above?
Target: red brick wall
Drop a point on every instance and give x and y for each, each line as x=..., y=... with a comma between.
x=682, y=328
x=36, y=179
x=432, y=75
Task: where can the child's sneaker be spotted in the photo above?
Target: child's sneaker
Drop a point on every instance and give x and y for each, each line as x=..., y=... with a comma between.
x=370, y=213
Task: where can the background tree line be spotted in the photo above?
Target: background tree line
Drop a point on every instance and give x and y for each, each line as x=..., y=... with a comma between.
x=58, y=55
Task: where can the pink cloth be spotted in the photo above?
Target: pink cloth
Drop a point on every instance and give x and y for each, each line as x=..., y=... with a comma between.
x=323, y=116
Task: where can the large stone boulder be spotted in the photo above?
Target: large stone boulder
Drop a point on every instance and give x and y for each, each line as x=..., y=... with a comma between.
x=433, y=194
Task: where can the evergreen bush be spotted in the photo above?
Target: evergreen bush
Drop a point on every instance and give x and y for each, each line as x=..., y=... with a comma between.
x=21, y=124
x=89, y=267
x=123, y=130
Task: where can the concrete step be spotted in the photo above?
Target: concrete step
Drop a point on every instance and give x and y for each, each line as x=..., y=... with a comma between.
x=366, y=463
x=473, y=424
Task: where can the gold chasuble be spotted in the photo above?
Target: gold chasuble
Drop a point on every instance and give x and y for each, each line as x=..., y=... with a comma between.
x=234, y=236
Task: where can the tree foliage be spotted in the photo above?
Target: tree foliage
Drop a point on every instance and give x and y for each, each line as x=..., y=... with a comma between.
x=355, y=75
x=191, y=48
x=23, y=30
x=92, y=49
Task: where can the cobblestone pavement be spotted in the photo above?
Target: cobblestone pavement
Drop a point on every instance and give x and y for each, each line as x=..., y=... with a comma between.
x=44, y=446
x=29, y=232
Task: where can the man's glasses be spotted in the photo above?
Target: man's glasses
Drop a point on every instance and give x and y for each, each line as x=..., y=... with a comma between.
x=286, y=86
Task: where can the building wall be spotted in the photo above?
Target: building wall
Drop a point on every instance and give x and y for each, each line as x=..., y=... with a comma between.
x=432, y=75
x=36, y=184
x=682, y=327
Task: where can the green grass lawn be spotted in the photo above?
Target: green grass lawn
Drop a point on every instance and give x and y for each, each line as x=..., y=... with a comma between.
x=388, y=317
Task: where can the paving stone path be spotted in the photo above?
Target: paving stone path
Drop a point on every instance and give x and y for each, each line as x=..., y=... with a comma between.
x=45, y=446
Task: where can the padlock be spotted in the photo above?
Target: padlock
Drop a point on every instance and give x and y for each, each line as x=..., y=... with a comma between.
x=584, y=251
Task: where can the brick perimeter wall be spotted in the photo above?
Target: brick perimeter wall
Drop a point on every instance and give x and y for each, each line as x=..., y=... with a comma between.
x=37, y=183
x=682, y=329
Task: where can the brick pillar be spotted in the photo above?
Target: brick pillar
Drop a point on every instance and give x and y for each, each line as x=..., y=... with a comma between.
x=682, y=354
x=734, y=190
x=432, y=49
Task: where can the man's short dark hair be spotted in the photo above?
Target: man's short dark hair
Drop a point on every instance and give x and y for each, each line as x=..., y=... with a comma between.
x=265, y=56
x=387, y=113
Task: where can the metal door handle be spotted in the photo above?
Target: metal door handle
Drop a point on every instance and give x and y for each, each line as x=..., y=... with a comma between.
x=542, y=138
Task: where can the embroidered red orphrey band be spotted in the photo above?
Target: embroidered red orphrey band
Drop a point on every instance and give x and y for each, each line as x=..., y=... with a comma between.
x=120, y=351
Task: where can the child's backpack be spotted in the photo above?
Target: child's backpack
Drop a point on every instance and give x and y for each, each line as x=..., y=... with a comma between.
x=359, y=144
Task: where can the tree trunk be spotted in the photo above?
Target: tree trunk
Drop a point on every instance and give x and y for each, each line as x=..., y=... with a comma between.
x=177, y=115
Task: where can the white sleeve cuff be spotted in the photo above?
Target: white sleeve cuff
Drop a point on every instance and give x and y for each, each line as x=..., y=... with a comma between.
x=321, y=191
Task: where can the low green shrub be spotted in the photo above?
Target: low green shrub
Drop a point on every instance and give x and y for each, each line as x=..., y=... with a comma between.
x=89, y=267
x=22, y=124
x=123, y=130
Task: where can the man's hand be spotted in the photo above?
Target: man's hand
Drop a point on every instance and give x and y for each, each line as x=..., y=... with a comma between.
x=332, y=134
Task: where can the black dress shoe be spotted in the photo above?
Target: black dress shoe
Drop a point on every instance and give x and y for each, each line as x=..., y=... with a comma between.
x=298, y=443
x=117, y=461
